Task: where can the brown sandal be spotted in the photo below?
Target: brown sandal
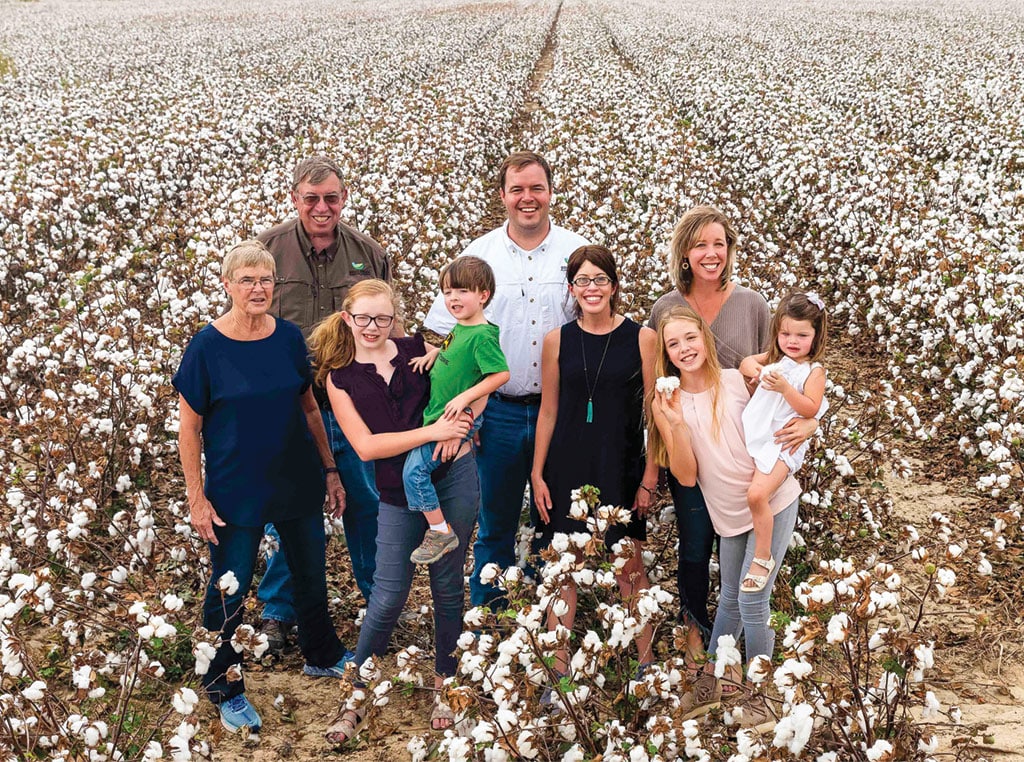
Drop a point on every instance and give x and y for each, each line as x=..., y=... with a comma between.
x=345, y=726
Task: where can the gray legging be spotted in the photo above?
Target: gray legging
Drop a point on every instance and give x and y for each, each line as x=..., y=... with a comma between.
x=749, y=612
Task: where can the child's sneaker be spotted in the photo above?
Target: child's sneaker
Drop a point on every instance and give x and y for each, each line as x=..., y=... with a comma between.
x=237, y=713
x=435, y=544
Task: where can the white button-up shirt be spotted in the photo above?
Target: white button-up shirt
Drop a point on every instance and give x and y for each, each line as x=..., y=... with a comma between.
x=531, y=297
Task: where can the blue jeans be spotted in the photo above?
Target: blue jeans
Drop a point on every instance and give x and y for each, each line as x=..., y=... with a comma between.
x=504, y=459
x=749, y=612
x=696, y=538
x=399, y=533
x=359, y=520
x=304, y=546
x=419, y=465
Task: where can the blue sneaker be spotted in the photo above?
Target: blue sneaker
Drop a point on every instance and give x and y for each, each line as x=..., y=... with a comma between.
x=237, y=712
x=335, y=670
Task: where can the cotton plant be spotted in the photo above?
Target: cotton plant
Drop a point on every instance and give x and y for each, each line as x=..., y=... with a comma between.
x=119, y=201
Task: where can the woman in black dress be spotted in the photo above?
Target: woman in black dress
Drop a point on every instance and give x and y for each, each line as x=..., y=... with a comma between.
x=596, y=372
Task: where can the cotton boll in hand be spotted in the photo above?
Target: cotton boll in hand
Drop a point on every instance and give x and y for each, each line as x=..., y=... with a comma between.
x=666, y=384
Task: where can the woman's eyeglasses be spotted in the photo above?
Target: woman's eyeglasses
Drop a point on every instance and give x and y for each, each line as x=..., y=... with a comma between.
x=583, y=281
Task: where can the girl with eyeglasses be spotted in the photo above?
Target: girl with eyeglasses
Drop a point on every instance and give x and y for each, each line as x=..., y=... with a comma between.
x=590, y=429
x=378, y=398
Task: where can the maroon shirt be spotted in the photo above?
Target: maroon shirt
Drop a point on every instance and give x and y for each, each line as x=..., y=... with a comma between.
x=397, y=406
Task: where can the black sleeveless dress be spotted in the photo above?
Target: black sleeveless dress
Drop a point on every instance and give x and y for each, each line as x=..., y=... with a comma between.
x=608, y=452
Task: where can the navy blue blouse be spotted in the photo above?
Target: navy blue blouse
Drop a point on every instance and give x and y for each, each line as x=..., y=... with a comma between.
x=261, y=462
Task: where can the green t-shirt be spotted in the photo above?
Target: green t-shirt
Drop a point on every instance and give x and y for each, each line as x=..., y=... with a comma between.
x=468, y=354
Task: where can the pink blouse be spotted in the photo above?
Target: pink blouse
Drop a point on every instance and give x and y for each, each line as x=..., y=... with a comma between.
x=724, y=467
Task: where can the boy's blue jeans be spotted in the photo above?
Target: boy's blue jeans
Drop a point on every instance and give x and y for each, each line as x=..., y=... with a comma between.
x=419, y=465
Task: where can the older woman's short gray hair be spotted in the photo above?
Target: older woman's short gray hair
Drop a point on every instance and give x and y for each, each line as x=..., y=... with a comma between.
x=247, y=254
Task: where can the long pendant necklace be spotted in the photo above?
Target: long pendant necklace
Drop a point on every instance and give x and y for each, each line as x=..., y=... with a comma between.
x=586, y=376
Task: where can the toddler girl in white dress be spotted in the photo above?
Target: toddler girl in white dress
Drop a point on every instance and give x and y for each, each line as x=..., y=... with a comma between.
x=790, y=383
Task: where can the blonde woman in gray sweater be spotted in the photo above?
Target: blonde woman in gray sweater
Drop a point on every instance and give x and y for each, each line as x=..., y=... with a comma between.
x=704, y=246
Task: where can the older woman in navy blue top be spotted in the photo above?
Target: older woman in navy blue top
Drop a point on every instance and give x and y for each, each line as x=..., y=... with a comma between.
x=246, y=400
x=378, y=399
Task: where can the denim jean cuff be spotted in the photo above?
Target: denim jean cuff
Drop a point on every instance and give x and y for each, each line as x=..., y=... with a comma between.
x=688, y=618
x=424, y=508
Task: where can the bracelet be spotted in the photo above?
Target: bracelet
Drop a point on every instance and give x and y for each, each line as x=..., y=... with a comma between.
x=647, y=489
x=331, y=470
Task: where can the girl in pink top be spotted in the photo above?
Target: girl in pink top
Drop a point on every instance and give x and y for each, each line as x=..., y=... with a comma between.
x=698, y=435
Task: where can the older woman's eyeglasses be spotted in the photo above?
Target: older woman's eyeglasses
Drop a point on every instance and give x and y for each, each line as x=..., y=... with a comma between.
x=249, y=283
x=583, y=281
x=381, y=321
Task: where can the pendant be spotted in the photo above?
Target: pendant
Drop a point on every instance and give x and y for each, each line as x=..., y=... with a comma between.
x=590, y=411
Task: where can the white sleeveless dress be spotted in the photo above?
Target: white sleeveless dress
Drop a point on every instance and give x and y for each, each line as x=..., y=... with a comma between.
x=768, y=411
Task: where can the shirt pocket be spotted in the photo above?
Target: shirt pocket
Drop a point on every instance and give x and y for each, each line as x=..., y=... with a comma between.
x=294, y=301
x=340, y=283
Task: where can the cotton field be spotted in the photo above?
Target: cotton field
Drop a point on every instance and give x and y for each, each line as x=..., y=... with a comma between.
x=870, y=151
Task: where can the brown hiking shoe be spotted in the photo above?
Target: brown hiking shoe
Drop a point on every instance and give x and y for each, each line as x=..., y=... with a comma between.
x=435, y=544
x=277, y=636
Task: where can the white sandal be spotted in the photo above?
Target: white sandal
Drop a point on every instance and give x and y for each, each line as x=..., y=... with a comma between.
x=759, y=580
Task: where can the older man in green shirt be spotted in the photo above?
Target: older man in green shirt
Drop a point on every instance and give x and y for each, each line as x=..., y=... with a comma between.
x=319, y=258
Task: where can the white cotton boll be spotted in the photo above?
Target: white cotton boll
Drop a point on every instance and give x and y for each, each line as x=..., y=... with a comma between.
x=748, y=743
x=931, y=708
x=483, y=732
x=928, y=744
x=727, y=655
x=171, y=602
x=880, y=751
x=794, y=730
x=81, y=677
x=984, y=566
x=466, y=641
x=184, y=701
x=228, y=583
x=838, y=628
x=153, y=751
x=88, y=580
x=559, y=607
x=574, y=754
x=35, y=692
x=495, y=754
x=560, y=542
x=475, y=617
x=666, y=384
x=489, y=573
x=579, y=510
x=828, y=756
x=759, y=670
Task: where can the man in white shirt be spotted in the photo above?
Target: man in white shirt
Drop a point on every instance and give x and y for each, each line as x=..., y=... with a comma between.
x=528, y=255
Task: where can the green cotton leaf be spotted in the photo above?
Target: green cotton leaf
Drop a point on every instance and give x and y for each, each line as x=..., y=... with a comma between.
x=893, y=665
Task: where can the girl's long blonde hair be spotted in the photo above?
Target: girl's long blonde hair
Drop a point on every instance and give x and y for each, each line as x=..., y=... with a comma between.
x=331, y=341
x=663, y=367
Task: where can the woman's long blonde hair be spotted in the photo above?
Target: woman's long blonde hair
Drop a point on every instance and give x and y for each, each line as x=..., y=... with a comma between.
x=331, y=341
x=663, y=367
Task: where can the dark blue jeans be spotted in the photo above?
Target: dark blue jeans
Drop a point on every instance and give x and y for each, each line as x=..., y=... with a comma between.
x=359, y=520
x=696, y=539
x=399, y=533
x=505, y=457
x=303, y=543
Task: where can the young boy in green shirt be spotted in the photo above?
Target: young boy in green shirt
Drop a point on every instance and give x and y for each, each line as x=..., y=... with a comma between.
x=469, y=365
